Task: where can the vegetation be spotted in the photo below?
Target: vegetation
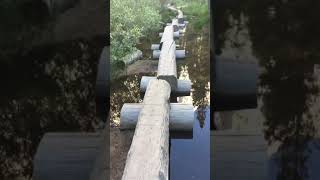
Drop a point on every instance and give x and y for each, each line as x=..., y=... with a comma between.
x=130, y=20
x=197, y=9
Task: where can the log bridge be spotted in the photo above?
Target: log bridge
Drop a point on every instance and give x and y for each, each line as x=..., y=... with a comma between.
x=155, y=117
x=178, y=23
x=84, y=156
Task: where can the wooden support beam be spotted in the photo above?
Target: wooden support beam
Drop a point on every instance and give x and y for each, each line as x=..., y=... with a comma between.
x=176, y=34
x=157, y=46
x=167, y=68
x=180, y=54
x=148, y=157
x=132, y=57
x=181, y=117
x=183, y=86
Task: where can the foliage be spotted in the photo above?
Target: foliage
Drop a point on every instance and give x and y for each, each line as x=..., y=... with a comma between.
x=167, y=15
x=197, y=9
x=131, y=20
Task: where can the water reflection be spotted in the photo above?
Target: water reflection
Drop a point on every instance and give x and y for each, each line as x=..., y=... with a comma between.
x=124, y=90
x=49, y=88
x=189, y=158
x=283, y=39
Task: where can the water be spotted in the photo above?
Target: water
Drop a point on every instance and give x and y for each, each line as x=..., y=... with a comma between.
x=281, y=36
x=190, y=157
x=196, y=67
x=50, y=88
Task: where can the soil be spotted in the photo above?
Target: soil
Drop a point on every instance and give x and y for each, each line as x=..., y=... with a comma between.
x=143, y=66
x=120, y=142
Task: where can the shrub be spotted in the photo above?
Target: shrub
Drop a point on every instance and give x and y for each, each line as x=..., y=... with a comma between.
x=131, y=20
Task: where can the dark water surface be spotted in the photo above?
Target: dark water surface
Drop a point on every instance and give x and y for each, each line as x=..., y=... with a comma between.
x=50, y=88
x=282, y=37
x=190, y=158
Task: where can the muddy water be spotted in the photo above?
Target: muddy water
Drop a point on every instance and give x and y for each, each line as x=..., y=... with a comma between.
x=281, y=36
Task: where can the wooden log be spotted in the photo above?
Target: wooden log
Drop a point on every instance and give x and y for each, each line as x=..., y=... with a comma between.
x=131, y=58
x=176, y=34
x=175, y=25
x=182, y=25
x=183, y=86
x=167, y=68
x=180, y=17
x=181, y=117
x=66, y=156
x=180, y=54
x=167, y=34
x=157, y=47
x=148, y=157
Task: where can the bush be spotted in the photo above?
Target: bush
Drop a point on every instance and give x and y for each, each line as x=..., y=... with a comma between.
x=131, y=20
x=195, y=8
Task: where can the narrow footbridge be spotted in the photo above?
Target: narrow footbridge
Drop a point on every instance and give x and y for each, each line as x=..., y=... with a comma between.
x=155, y=117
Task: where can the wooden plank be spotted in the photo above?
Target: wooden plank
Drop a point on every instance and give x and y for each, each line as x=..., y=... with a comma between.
x=181, y=117
x=148, y=157
x=167, y=69
x=66, y=156
x=183, y=86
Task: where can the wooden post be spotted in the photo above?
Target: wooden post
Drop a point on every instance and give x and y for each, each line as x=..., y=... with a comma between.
x=148, y=157
x=167, y=69
x=183, y=86
x=181, y=117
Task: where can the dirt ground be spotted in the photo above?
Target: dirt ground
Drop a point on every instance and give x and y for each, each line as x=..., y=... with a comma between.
x=143, y=66
x=120, y=142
